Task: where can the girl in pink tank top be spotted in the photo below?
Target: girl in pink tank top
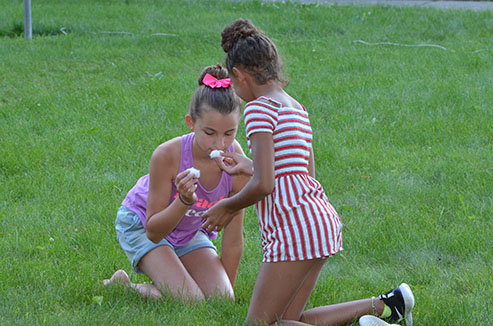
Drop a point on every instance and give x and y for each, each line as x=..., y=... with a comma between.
x=159, y=225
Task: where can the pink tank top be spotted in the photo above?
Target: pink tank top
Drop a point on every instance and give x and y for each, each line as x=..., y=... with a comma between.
x=191, y=223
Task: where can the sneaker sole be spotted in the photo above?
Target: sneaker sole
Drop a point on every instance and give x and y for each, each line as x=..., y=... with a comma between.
x=408, y=297
x=370, y=320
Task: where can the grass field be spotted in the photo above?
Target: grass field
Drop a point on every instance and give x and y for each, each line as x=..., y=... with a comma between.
x=403, y=145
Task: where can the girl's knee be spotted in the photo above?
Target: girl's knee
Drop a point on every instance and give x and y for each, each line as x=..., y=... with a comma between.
x=229, y=293
x=189, y=292
x=225, y=293
x=190, y=296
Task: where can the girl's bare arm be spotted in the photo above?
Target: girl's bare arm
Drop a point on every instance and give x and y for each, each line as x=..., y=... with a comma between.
x=232, y=241
x=259, y=186
x=162, y=217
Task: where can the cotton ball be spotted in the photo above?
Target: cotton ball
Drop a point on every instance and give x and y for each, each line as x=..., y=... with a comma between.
x=194, y=172
x=215, y=153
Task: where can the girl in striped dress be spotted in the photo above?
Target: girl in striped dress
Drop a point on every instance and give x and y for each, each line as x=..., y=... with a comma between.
x=298, y=225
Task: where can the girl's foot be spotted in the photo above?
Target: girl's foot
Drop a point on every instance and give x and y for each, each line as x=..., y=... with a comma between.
x=401, y=303
x=120, y=277
x=147, y=291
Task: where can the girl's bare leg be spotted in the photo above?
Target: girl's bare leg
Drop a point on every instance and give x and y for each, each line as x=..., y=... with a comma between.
x=212, y=280
x=297, y=306
x=341, y=313
x=336, y=314
x=282, y=291
x=276, y=289
x=168, y=273
x=184, y=277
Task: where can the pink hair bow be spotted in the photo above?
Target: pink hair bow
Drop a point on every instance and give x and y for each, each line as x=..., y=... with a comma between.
x=213, y=82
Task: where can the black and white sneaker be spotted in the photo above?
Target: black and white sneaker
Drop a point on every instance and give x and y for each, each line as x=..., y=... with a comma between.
x=401, y=302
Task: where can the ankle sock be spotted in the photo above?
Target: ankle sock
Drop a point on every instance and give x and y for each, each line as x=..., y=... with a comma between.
x=386, y=312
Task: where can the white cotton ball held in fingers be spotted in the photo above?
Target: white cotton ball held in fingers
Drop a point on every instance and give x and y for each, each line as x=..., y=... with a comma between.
x=215, y=153
x=194, y=172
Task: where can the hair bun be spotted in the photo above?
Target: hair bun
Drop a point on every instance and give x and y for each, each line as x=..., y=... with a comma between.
x=239, y=29
x=216, y=71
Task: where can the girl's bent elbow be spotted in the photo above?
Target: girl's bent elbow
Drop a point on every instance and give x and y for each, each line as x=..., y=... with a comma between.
x=263, y=185
x=153, y=237
x=266, y=190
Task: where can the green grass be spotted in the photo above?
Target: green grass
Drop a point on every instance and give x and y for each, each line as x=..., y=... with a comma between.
x=403, y=143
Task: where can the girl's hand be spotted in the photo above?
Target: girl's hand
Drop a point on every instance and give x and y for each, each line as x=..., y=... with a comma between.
x=235, y=164
x=186, y=184
x=218, y=216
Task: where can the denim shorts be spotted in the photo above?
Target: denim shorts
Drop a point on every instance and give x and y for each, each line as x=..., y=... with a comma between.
x=133, y=239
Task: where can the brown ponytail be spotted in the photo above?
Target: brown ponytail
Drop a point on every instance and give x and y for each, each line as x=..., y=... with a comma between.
x=223, y=100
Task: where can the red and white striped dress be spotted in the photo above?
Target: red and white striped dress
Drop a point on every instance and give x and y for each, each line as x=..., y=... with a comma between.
x=297, y=222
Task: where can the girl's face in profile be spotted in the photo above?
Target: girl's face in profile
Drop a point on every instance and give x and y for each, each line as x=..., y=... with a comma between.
x=239, y=90
x=215, y=131
x=239, y=78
